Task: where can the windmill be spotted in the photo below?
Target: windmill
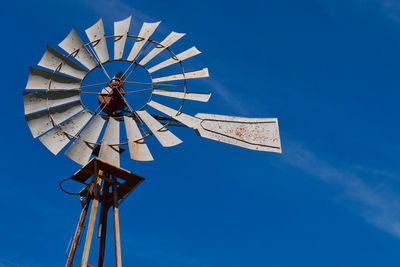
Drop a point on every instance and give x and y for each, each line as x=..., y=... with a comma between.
x=56, y=114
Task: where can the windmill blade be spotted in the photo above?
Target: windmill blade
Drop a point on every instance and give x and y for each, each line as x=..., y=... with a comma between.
x=74, y=46
x=183, y=95
x=54, y=60
x=167, y=42
x=138, y=149
x=43, y=79
x=109, y=153
x=97, y=38
x=187, y=75
x=251, y=133
x=165, y=137
x=121, y=29
x=80, y=150
x=191, y=52
x=56, y=139
x=35, y=101
x=41, y=122
x=145, y=32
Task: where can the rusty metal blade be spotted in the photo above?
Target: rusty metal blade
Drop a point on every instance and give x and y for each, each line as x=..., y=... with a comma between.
x=165, y=137
x=191, y=52
x=35, y=101
x=145, y=33
x=109, y=153
x=72, y=44
x=121, y=29
x=183, y=95
x=188, y=75
x=251, y=133
x=138, y=149
x=167, y=42
x=97, y=38
x=81, y=149
x=56, y=139
x=43, y=79
x=54, y=60
x=40, y=122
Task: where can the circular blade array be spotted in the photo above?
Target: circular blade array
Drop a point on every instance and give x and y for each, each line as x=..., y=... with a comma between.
x=56, y=115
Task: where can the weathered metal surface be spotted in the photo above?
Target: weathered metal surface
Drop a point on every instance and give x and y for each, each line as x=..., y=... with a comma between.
x=97, y=38
x=56, y=139
x=167, y=42
x=109, y=153
x=35, y=101
x=54, y=60
x=80, y=151
x=111, y=99
x=188, y=75
x=191, y=52
x=183, y=95
x=40, y=122
x=138, y=149
x=121, y=29
x=165, y=137
x=72, y=44
x=43, y=79
x=145, y=33
x=251, y=133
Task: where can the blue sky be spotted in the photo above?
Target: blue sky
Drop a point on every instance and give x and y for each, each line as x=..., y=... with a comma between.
x=327, y=69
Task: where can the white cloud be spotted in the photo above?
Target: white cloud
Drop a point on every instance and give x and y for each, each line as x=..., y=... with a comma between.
x=378, y=205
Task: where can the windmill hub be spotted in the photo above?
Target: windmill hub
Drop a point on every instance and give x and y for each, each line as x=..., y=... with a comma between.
x=113, y=101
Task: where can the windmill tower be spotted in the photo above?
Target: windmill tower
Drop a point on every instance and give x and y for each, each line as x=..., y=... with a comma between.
x=56, y=114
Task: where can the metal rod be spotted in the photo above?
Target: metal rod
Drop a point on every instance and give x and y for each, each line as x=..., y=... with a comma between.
x=117, y=239
x=103, y=223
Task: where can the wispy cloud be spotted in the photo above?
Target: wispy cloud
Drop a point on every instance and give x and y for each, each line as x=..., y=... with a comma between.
x=378, y=205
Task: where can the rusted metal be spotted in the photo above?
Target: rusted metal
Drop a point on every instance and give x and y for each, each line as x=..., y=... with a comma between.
x=111, y=101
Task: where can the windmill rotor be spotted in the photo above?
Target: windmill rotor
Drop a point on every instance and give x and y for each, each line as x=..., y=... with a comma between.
x=56, y=114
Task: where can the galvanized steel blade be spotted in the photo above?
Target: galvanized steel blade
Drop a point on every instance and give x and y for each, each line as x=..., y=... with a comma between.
x=97, y=38
x=191, y=52
x=145, y=33
x=41, y=122
x=251, y=133
x=167, y=42
x=188, y=75
x=165, y=137
x=138, y=149
x=121, y=29
x=82, y=148
x=54, y=60
x=73, y=45
x=109, y=153
x=35, y=101
x=183, y=95
x=43, y=79
x=59, y=137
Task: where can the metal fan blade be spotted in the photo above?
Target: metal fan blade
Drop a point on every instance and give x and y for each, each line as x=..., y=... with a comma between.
x=251, y=133
x=145, y=32
x=165, y=137
x=188, y=75
x=182, y=95
x=35, y=101
x=109, y=153
x=178, y=58
x=54, y=60
x=138, y=149
x=167, y=42
x=59, y=137
x=43, y=79
x=41, y=122
x=97, y=38
x=121, y=29
x=80, y=151
x=74, y=46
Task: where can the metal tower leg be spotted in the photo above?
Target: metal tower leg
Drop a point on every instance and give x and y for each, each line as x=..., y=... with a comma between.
x=117, y=239
x=103, y=223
